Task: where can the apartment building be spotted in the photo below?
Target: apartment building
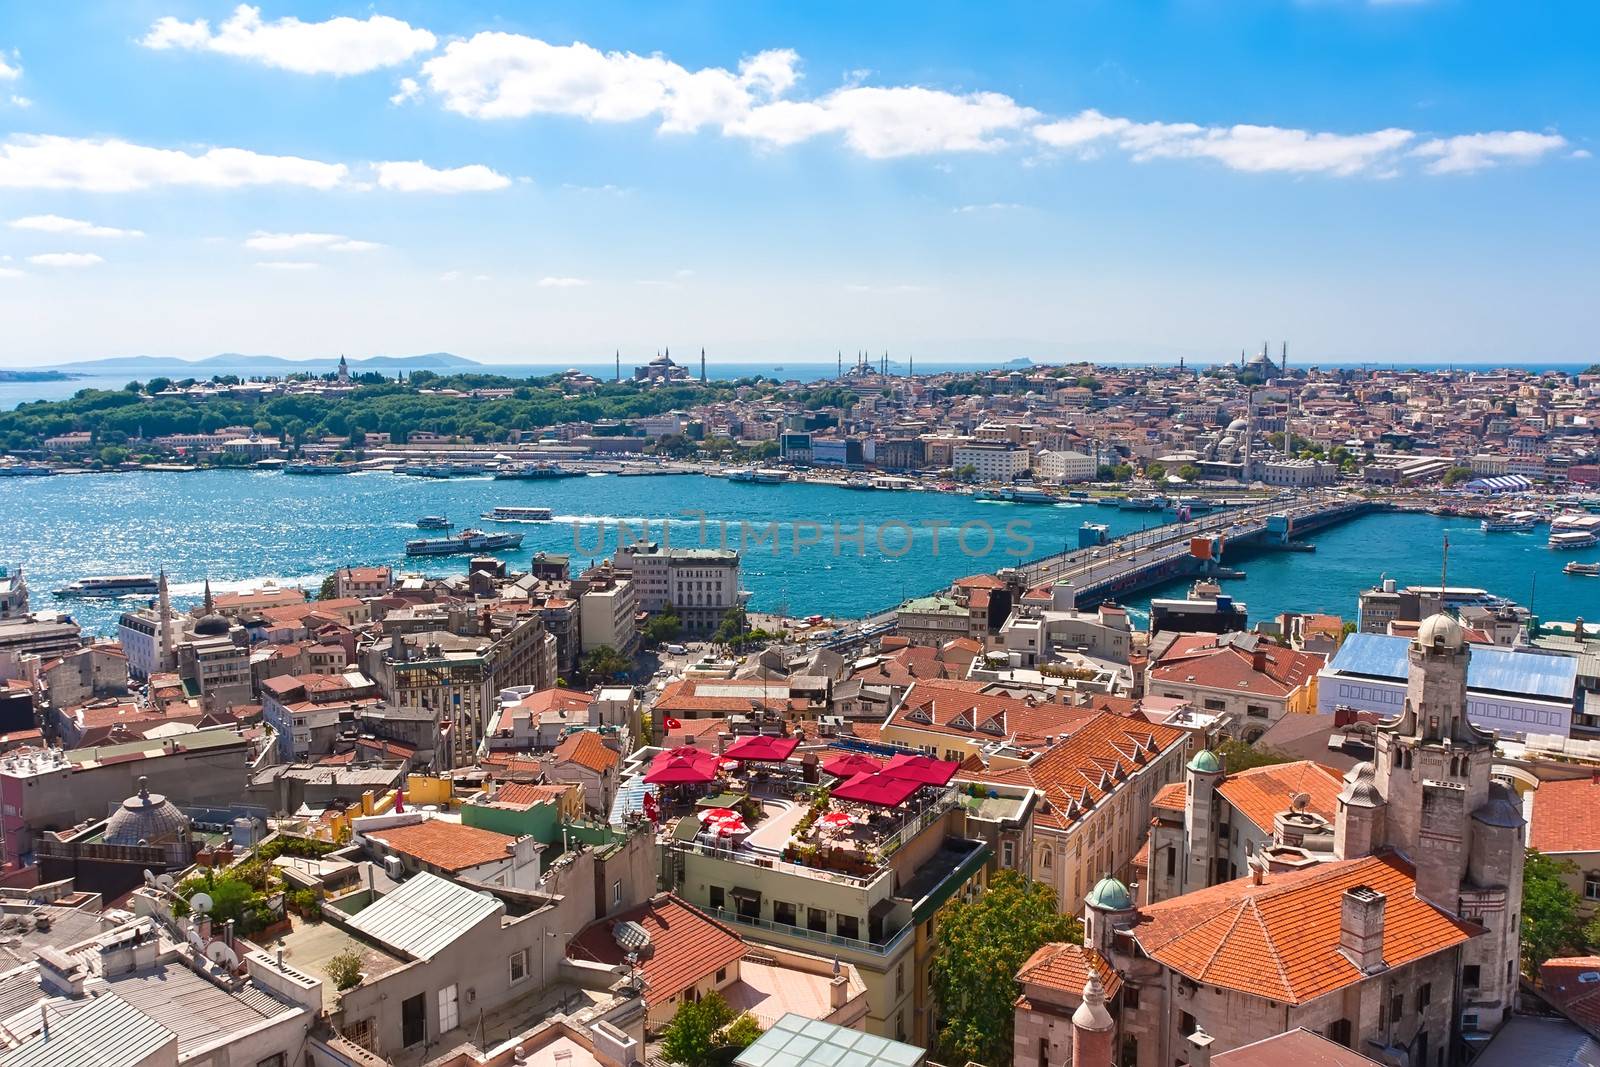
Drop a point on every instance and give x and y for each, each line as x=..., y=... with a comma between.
x=701, y=585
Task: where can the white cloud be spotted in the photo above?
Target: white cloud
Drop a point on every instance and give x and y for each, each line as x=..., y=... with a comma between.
x=505, y=75
x=1580, y=153
x=1241, y=147
x=998, y=205
x=884, y=123
x=562, y=283
x=1475, y=151
x=417, y=177
x=409, y=90
x=75, y=227
x=10, y=70
x=287, y=264
x=66, y=259
x=34, y=161
x=21, y=101
x=262, y=241
x=338, y=46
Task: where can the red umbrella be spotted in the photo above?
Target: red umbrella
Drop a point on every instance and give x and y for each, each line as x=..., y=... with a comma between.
x=878, y=789
x=836, y=820
x=762, y=748
x=682, y=766
x=923, y=770
x=851, y=764
x=718, y=813
x=731, y=826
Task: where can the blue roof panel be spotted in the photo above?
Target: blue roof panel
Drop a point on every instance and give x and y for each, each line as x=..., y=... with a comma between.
x=1374, y=655
x=1501, y=670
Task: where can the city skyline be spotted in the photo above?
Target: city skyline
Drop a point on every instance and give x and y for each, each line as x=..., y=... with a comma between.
x=1383, y=181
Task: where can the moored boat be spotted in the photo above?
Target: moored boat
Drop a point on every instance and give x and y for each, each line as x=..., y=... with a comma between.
x=465, y=541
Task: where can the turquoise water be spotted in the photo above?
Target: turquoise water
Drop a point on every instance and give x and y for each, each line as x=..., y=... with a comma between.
x=235, y=527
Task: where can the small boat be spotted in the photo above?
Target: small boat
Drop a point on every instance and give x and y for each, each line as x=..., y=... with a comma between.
x=1590, y=569
x=516, y=514
x=434, y=522
x=1515, y=522
x=106, y=587
x=465, y=541
x=1570, y=539
x=533, y=472
x=319, y=468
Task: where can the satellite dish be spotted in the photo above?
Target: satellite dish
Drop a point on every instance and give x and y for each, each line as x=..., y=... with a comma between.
x=1301, y=801
x=219, y=953
x=164, y=881
x=195, y=939
x=149, y=879
x=200, y=903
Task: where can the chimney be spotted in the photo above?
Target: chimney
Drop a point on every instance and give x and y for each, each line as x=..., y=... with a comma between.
x=1092, y=1026
x=1361, y=928
x=1258, y=659
x=1200, y=1048
x=1258, y=870
x=838, y=991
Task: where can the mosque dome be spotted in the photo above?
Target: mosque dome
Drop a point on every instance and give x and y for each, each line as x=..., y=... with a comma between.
x=146, y=818
x=1205, y=762
x=1238, y=426
x=212, y=625
x=1110, y=895
x=1440, y=629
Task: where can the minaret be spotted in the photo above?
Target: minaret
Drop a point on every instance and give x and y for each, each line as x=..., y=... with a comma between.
x=911, y=366
x=702, y=365
x=344, y=371
x=1092, y=1026
x=840, y=372
x=164, y=613
x=210, y=604
x=619, y=364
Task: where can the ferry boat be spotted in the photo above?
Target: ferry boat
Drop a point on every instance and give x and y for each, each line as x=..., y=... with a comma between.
x=444, y=470
x=1590, y=569
x=533, y=472
x=514, y=514
x=1574, y=520
x=25, y=470
x=890, y=483
x=740, y=474
x=319, y=468
x=1569, y=539
x=1018, y=495
x=1151, y=502
x=1515, y=522
x=434, y=522
x=107, y=586
x=465, y=541
x=769, y=476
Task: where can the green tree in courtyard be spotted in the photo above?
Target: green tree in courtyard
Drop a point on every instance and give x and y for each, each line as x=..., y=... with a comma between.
x=330, y=588
x=980, y=947
x=1550, y=923
x=691, y=1036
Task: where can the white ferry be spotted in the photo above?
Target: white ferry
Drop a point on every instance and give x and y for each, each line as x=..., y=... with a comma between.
x=1568, y=539
x=1515, y=522
x=513, y=514
x=111, y=585
x=465, y=541
x=1591, y=570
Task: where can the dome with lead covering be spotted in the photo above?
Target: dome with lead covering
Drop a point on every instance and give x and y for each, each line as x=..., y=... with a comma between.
x=1110, y=895
x=147, y=819
x=212, y=625
x=1205, y=762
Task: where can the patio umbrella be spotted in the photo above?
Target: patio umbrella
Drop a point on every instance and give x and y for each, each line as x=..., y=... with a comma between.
x=876, y=789
x=923, y=770
x=762, y=748
x=729, y=765
x=718, y=814
x=836, y=820
x=851, y=764
x=731, y=826
x=682, y=766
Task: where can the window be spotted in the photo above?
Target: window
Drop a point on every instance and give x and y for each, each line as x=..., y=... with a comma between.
x=1258, y=711
x=1591, y=885
x=717, y=899
x=817, y=920
x=1212, y=704
x=1469, y=976
x=1172, y=862
x=1397, y=1006
x=1130, y=996
x=900, y=980
x=784, y=912
x=722, y=975
x=1469, y=1020
x=1044, y=859
x=274, y=1060
x=449, y=1009
x=519, y=965
x=847, y=926
x=1007, y=854
x=1187, y=1024
x=616, y=893
x=1339, y=1031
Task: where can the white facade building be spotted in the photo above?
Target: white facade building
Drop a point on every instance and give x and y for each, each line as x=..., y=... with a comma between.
x=993, y=462
x=1063, y=467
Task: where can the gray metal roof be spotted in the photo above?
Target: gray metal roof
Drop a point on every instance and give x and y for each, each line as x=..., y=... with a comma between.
x=424, y=915
x=795, y=1041
x=109, y=1032
x=198, y=1011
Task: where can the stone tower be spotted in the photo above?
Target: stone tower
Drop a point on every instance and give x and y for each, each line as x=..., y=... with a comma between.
x=1462, y=831
x=165, y=661
x=1092, y=1027
x=1199, y=820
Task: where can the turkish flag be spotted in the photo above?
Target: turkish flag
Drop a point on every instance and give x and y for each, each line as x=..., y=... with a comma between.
x=673, y=724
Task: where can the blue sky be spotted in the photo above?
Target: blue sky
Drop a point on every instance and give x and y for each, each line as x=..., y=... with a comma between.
x=1409, y=179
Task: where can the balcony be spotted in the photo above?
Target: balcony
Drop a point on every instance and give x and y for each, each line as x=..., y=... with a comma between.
x=888, y=948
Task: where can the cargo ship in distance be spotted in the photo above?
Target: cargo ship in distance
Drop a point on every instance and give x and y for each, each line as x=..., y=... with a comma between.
x=465, y=541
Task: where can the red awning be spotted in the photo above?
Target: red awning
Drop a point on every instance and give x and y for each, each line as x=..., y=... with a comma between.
x=851, y=764
x=876, y=789
x=923, y=770
x=762, y=748
x=685, y=765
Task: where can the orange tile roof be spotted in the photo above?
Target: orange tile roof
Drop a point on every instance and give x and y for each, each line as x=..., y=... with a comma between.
x=556, y=699
x=936, y=706
x=527, y=794
x=1065, y=967
x=979, y=581
x=686, y=945
x=1174, y=796
x=1564, y=988
x=685, y=697
x=1218, y=663
x=449, y=846
x=1566, y=816
x=1090, y=765
x=587, y=750
x=1261, y=793
x=1280, y=940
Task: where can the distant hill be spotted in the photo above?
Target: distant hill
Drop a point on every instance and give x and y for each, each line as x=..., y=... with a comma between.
x=239, y=363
